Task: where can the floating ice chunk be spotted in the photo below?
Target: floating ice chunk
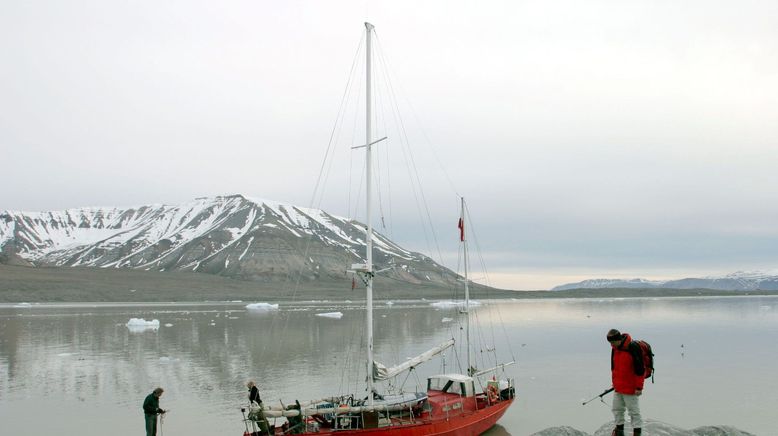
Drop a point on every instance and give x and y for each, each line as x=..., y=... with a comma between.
x=64, y=354
x=168, y=325
x=23, y=305
x=262, y=306
x=165, y=359
x=390, y=303
x=137, y=325
x=446, y=319
x=447, y=304
x=140, y=322
x=334, y=315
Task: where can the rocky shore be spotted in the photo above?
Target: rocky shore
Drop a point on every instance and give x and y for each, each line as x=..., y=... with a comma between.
x=650, y=428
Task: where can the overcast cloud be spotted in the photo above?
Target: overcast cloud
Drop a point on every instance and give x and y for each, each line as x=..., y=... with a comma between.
x=592, y=139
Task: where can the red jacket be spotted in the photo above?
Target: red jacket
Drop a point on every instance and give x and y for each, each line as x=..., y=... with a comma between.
x=627, y=370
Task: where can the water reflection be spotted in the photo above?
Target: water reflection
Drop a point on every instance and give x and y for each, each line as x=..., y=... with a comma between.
x=71, y=359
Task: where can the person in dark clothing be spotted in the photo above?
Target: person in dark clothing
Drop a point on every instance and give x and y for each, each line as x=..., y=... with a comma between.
x=627, y=374
x=151, y=410
x=253, y=393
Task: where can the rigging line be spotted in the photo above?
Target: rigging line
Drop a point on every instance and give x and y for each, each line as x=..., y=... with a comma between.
x=424, y=132
x=356, y=118
x=338, y=116
x=387, y=148
x=405, y=148
x=471, y=232
x=381, y=92
x=327, y=155
x=414, y=167
x=483, y=266
x=378, y=125
x=325, y=170
x=480, y=257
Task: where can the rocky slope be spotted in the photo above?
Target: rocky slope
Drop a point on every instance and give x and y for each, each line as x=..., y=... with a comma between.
x=231, y=236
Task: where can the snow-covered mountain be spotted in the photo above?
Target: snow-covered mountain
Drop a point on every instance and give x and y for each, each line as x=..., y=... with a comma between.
x=737, y=281
x=233, y=236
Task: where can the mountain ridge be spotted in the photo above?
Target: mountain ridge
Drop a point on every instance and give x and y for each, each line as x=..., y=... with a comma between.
x=235, y=236
x=736, y=281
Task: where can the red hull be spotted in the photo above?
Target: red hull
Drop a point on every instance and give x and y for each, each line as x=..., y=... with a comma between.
x=466, y=423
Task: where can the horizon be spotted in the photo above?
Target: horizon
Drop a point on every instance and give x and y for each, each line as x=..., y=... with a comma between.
x=511, y=280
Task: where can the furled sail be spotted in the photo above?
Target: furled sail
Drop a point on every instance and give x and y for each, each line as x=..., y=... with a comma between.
x=381, y=372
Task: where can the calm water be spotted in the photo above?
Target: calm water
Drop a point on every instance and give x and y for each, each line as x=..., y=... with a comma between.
x=79, y=370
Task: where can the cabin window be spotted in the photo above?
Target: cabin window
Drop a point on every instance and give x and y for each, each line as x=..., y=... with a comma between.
x=448, y=386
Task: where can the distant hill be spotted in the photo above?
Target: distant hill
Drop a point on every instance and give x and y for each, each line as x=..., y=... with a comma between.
x=737, y=281
x=234, y=236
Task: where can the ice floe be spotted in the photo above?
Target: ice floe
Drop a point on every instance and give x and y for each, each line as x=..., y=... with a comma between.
x=140, y=324
x=334, y=315
x=446, y=319
x=262, y=306
x=447, y=304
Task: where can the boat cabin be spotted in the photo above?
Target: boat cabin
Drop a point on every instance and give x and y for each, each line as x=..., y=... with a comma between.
x=457, y=384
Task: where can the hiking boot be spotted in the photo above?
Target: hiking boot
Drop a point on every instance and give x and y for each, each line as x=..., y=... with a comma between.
x=618, y=431
x=637, y=431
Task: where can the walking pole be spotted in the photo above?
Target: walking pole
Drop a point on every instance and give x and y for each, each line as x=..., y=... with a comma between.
x=161, y=418
x=245, y=421
x=607, y=391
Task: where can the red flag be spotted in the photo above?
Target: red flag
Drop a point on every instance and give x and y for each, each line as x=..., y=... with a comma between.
x=461, y=227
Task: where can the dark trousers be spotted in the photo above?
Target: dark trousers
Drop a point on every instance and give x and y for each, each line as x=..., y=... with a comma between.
x=151, y=424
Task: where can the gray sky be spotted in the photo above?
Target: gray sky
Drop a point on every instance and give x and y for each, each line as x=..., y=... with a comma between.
x=592, y=139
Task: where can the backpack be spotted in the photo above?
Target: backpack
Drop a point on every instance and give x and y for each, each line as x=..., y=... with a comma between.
x=648, y=358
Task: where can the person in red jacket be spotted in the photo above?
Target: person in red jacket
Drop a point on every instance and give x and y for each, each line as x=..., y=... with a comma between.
x=628, y=374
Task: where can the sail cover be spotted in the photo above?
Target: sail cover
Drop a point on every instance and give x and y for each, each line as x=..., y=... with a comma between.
x=380, y=372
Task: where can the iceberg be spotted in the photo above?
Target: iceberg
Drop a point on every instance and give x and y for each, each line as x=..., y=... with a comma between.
x=140, y=324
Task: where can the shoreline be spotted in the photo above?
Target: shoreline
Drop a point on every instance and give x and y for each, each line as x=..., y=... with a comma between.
x=97, y=285
x=342, y=302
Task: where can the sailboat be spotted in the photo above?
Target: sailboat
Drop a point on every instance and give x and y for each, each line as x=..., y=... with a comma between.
x=452, y=405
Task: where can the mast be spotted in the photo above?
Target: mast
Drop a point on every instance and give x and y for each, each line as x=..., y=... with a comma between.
x=368, y=203
x=467, y=287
